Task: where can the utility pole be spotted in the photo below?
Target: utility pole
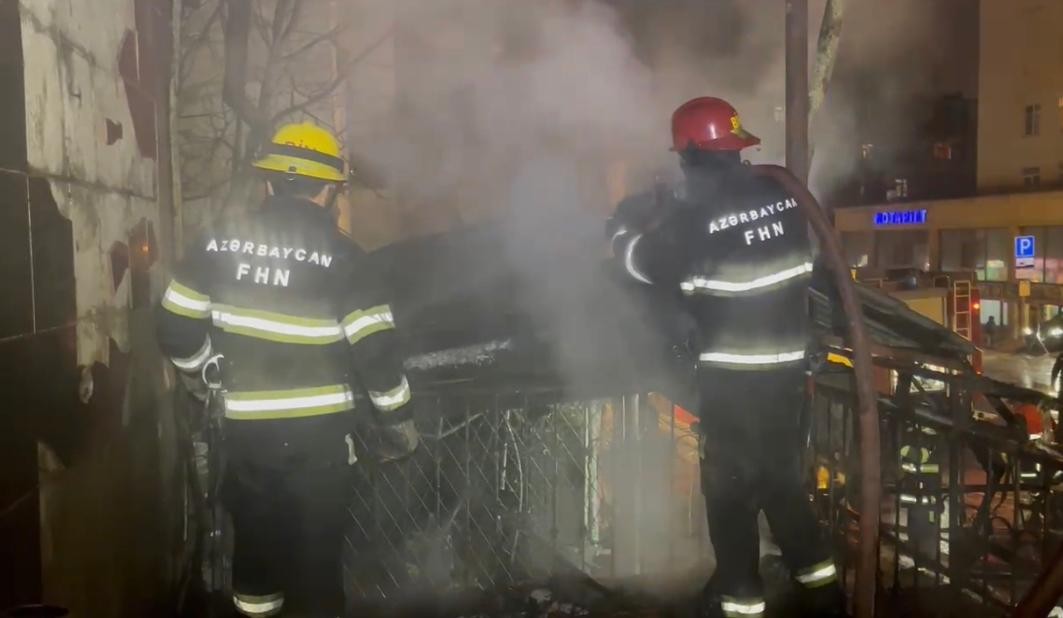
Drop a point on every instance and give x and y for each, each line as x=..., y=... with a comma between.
x=797, y=103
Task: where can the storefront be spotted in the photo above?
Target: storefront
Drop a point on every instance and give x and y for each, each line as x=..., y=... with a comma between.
x=969, y=235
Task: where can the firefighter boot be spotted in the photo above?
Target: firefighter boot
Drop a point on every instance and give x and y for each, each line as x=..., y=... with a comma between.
x=827, y=601
x=731, y=601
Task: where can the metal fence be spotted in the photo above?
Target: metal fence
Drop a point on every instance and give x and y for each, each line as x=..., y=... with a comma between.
x=513, y=489
x=971, y=504
x=516, y=488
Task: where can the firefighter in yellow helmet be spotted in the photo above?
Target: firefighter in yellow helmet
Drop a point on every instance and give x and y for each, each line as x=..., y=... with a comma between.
x=276, y=298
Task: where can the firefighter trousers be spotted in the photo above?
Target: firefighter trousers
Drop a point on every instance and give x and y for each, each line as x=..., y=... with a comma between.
x=288, y=528
x=751, y=424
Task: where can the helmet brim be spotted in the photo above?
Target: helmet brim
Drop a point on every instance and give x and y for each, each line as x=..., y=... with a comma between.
x=736, y=140
x=286, y=164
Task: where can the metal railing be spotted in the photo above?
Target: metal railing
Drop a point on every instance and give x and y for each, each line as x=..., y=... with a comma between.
x=514, y=489
x=972, y=507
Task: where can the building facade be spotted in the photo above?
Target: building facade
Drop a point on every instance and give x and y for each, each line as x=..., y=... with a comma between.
x=1020, y=127
x=90, y=502
x=983, y=235
x=1011, y=233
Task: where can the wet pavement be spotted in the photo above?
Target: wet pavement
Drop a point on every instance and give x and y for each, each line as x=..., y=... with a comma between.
x=1034, y=372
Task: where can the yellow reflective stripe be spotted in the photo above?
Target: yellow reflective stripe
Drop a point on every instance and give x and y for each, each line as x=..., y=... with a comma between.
x=195, y=362
x=838, y=359
x=258, y=605
x=277, y=327
x=360, y=324
x=732, y=606
x=818, y=574
x=289, y=403
x=920, y=468
x=394, y=399
x=183, y=300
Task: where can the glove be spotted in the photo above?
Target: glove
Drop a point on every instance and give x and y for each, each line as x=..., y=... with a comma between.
x=397, y=441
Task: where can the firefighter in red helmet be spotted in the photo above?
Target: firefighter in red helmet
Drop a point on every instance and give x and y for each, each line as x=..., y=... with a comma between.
x=735, y=246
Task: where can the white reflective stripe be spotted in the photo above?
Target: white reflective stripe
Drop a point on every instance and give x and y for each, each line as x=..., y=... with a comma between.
x=368, y=321
x=924, y=468
x=258, y=605
x=393, y=399
x=629, y=261
x=715, y=285
x=194, y=362
x=226, y=318
x=821, y=574
x=750, y=607
x=179, y=299
x=910, y=499
x=612, y=241
x=288, y=403
x=752, y=359
x=1036, y=436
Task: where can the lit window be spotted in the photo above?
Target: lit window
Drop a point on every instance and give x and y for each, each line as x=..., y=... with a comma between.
x=1031, y=177
x=902, y=187
x=943, y=151
x=780, y=113
x=866, y=150
x=1033, y=120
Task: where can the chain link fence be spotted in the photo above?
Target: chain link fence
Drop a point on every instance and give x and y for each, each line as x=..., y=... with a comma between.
x=513, y=489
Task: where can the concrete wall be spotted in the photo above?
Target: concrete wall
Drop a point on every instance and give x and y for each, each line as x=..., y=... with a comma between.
x=1021, y=64
x=87, y=199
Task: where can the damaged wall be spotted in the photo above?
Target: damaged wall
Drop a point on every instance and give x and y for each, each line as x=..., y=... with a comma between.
x=86, y=202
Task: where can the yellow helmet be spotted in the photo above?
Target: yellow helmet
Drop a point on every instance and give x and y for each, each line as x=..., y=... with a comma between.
x=304, y=149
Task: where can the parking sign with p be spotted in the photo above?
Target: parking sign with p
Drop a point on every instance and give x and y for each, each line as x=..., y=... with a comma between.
x=1025, y=249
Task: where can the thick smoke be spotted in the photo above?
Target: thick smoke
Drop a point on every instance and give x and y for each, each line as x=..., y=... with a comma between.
x=483, y=84
x=889, y=63
x=542, y=114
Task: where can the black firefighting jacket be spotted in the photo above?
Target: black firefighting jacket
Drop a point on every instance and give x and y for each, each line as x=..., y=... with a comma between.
x=303, y=332
x=736, y=247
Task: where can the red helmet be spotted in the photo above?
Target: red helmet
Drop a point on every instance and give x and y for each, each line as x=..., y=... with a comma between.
x=708, y=123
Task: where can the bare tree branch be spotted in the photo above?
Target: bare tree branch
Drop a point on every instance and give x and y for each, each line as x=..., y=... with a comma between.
x=193, y=43
x=237, y=29
x=341, y=76
x=262, y=26
x=830, y=30
x=282, y=16
x=330, y=35
x=293, y=20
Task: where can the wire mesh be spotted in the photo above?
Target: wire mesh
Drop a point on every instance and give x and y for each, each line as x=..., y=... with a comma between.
x=513, y=489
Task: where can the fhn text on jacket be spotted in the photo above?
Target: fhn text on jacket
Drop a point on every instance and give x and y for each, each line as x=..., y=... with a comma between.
x=281, y=295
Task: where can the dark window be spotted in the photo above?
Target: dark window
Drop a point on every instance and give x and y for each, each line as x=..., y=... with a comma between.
x=1031, y=177
x=1033, y=120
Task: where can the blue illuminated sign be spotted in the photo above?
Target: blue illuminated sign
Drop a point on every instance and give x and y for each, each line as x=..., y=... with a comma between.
x=900, y=217
x=1025, y=249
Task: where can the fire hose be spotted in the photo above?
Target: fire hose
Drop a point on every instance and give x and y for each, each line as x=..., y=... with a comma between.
x=870, y=486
